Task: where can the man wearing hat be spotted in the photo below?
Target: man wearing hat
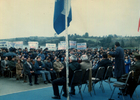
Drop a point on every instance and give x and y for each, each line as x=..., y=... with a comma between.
x=119, y=60
x=73, y=65
x=133, y=82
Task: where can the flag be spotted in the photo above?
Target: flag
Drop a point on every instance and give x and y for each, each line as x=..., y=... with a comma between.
x=139, y=25
x=59, y=15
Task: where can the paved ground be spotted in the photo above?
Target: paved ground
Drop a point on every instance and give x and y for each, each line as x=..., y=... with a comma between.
x=11, y=85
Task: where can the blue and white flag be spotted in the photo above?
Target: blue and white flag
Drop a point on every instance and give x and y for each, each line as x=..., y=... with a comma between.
x=59, y=15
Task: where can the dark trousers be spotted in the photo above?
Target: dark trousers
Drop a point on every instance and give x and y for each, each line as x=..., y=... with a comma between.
x=132, y=86
x=35, y=77
x=56, y=83
x=53, y=75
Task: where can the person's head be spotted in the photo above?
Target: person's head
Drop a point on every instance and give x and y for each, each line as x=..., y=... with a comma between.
x=6, y=58
x=49, y=60
x=28, y=59
x=137, y=57
x=117, y=44
x=104, y=55
x=22, y=57
x=13, y=58
x=84, y=57
x=19, y=61
x=57, y=59
x=41, y=51
x=38, y=58
x=73, y=58
x=126, y=57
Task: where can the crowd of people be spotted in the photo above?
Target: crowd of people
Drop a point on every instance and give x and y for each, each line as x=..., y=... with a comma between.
x=51, y=65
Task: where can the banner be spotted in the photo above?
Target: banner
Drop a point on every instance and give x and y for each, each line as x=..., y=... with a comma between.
x=3, y=44
x=63, y=42
x=72, y=44
x=18, y=44
x=33, y=45
x=10, y=44
x=51, y=46
x=81, y=46
x=61, y=46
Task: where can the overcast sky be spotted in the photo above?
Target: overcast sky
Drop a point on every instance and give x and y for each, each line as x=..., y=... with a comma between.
x=24, y=18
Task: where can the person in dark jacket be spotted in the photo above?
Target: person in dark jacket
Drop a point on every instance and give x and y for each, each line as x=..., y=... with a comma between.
x=119, y=60
x=73, y=65
x=30, y=70
x=12, y=64
x=104, y=63
x=49, y=67
x=133, y=81
x=40, y=69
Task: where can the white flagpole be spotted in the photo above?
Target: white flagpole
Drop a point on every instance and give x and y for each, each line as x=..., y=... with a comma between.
x=66, y=39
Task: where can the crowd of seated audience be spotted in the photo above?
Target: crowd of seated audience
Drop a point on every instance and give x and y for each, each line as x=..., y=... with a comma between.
x=49, y=64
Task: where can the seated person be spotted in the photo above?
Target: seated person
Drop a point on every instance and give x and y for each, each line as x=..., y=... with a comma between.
x=85, y=64
x=30, y=70
x=4, y=66
x=58, y=66
x=105, y=62
x=19, y=69
x=12, y=64
x=49, y=67
x=73, y=65
x=40, y=69
x=133, y=80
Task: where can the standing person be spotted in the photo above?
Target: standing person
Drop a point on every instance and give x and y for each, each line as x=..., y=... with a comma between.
x=30, y=70
x=19, y=69
x=22, y=59
x=119, y=60
x=127, y=64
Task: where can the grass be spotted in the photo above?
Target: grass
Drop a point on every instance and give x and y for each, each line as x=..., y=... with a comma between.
x=92, y=39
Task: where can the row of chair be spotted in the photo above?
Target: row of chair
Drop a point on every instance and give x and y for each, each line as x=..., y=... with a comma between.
x=80, y=78
x=123, y=85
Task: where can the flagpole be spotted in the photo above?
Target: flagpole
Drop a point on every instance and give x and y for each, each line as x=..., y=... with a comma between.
x=66, y=39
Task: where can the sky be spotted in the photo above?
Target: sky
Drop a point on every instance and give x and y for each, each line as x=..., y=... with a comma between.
x=24, y=18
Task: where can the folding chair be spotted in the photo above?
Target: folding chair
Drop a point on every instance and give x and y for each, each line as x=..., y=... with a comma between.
x=121, y=85
x=139, y=84
x=76, y=81
x=98, y=78
x=85, y=79
x=11, y=73
x=108, y=74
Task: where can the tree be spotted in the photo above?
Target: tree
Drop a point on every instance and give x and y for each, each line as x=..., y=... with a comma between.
x=122, y=43
x=86, y=35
